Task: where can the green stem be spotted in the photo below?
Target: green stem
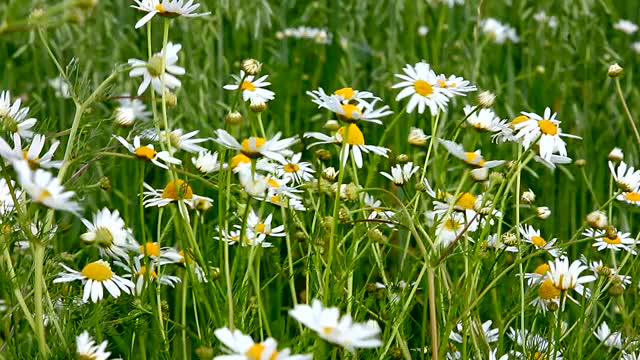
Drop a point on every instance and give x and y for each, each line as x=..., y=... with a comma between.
x=38, y=259
x=626, y=110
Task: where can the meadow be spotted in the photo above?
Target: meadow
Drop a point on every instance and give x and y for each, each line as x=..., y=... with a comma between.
x=334, y=179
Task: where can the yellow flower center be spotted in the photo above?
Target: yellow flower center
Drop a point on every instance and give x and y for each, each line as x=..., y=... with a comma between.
x=251, y=146
x=261, y=228
x=327, y=330
x=632, y=196
x=548, y=291
x=539, y=356
x=423, y=88
x=160, y=8
x=255, y=352
x=613, y=241
x=291, y=168
x=547, y=127
x=273, y=183
x=451, y=224
x=143, y=271
x=442, y=83
x=351, y=112
x=104, y=237
x=538, y=241
x=354, y=135
x=33, y=163
x=44, y=194
x=239, y=159
x=145, y=152
x=346, y=93
x=519, y=119
x=247, y=85
x=466, y=201
x=98, y=271
x=471, y=158
x=150, y=248
x=177, y=190
x=542, y=269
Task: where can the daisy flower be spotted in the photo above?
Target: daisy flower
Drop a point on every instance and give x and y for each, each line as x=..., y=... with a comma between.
x=345, y=95
x=163, y=255
x=375, y=206
x=455, y=85
x=417, y=137
x=421, y=83
x=361, y=111
x=546, y=128
x=206, y=162
x=45, y=189
x=167, y=8
x=537, y=346
x=87, y=348
x=140, y=272
x=179, y=140
x=473, y=208
x=548, y=296
x=401, y=174
x=473, y=159
x=95, y=276
x=353, y=139
x=109, y=233
x=451, y=228
x=14, y=118
x=153, y=71
x=294, y=169
x=130, y=111
x=484, y=331
x=255, y=147
x=538, y=274
x=626, y=26
x=608, y=338
x=328, y=324
x=565, y=276
x=626, y=177
x=193, y=266
x=31, y=155
x=498, y=31
x=249, y=239
x=239, y=346
x=147, y=152
x=175, y=190
x=263, y=228
x=252, y=89
x=614, y=240
x=610, y=274
x=532, y=236
x=495, y=241
x=484, y=120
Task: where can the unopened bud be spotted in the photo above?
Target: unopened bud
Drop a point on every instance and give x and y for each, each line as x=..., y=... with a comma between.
x=233, y=118
x=323, y=154
x=597, y=219
x=377, y=235
x=105, y=184
x=480, y=174
x=257, y=105
x=543, y=212
x=327, y=222
x=203, y=204
x=331, y=125
x=616, y=155
x=540, y=69
x=417, y=137
x=528, y=197
x=403, y=158
x=251, y=66
x=87, y=4
x=616, y=290
x=581, y=162
x=615, y=70
x=204, y=353
x=330, y=174
x=170, y=99
x=352, y=191
x=343, y=215
x=395, y=352
x=611, y=232
x=496, y=177
x=214, y=272
x=486, y=99
x=510, y=239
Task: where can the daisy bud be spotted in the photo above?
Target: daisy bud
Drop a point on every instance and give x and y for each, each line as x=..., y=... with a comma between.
x=203, y=205
x=105, y=184
x=423, y=30
x=543, y=212
x=377, y=236
x=417, y=137
x=170, y=99
x=496, y=177
x=616, y=155
x=616, y=290
x=279, y=35
x=611, y=232
x=323, y=154
x=330, y=174
x=552, y=306
x=615, y=70
x=204, y=353
x=233, y=118
x=258, y=105
x=75, y=16
x=402, y=158
x=395, y=352
x=331, y=125
x=486, y=99
x=352, y=192
x=528, y=197
x=37, y=15
x=581, y=162
x=480, y=174
x=327, y=222
x=251, y=66
x=300, y=236
x=214, y=271
x=343, y=215
x=597, y=219
x=540, y=69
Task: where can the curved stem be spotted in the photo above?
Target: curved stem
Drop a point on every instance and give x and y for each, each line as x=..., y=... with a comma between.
x=626, y=110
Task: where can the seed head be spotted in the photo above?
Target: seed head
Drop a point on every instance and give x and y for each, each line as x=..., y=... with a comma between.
x=597, y=219
x=528, y=197
x=615, y=70
x=486, y=99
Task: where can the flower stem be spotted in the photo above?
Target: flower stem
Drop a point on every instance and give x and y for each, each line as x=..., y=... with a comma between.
x=626, y=110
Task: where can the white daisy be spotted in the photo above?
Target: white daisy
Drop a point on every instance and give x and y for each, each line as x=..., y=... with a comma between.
x=401, y=174
x=14, y=118
x=148, y=152
x=153, y=71
x=538, y=274
x=109, y=233
x=565, y=276
x=630, y=197
x=377, y=212
x=626, y=177
x=130, y=111
x=294, y=169
x=162, y=255
x=345, y=95
x=94, y=276
x=252, y=89
x=168, y=8
x=421, y=83
x=455, y=85
x=354, y=143
x=328, y=324
x=44, y=188
x=546, y=130
x=193, y=266
x=254, y=147
x=473, y=159
x=263, y=228
x=543, y=18
x=451, y=228
x=140, y=272
x=614, y=240
x=249, y=239
x=175, y=190
x=495, y=241
x=87, y=348
x=206, y=162
x=537, y=346
x=350, y=112
x=485, y=120
x=608, y=273
x=626, y=26
x=608, y=338
x=32, y=154
x=499, y=32
x=533, y=237
x=239, y=346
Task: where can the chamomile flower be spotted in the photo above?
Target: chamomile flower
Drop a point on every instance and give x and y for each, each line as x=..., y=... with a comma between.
x=45, y=189
x=401, y=174
x=263, y=228
x=239, y=346
x=328, y=324
x=614, y=240
x=255, y=147
x=31, y=155
x=206, y=162
x=162, y=255
x=484, y=120
x=179, y=140
x=87, y=348
x=483, y=331
x=192, y=265
x=495, y=241
x=543, y=18
x=565, y=276
x=174, y=191
x=130, y=111
x=153, y=71
x=349, y=112
x=611, y=274
x=473, y=159
x=14, y=118
x=345, y=95
x=140, y=272
x=167, y=8
x=532, y=236
x=252, y=89
x=499, y=32
x=538, y=274
x=451, y=228
x=421, y=83
x=455, y=85
x=475, y=209
x=95, y=276
x=545, y=129
x=417, y=137
x=148, y=152
x=377, y=212
x=109, y=233
x=630, y=197
x=250, y=238
x=626, y=177
x=353, y=139
x=626, y=26
x=548, y=296
x=537, y=346
x=294, y=169
x=608, y=338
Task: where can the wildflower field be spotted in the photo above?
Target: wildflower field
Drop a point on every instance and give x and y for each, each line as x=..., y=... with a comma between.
x=332, y=179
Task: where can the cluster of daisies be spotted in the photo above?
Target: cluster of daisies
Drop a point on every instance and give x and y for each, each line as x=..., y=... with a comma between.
x=318, y=35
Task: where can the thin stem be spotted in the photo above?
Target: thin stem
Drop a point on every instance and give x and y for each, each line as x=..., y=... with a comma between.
x=626, y=110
